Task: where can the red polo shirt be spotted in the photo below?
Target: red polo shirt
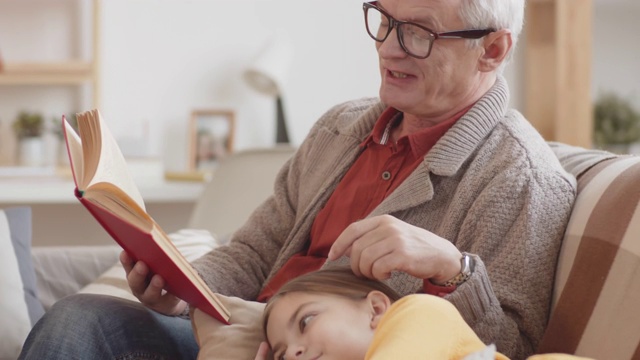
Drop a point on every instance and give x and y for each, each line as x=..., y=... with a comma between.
x=379, y=170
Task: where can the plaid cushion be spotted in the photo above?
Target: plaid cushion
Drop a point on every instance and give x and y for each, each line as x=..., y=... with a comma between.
x=595, y=305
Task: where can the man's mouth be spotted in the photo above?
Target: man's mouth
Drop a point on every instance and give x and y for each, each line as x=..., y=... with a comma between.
x=398, y=75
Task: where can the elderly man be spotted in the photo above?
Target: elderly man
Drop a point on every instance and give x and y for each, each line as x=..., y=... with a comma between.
x=436, y=187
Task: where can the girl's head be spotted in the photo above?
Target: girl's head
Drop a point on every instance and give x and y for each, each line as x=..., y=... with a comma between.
x=329, y=312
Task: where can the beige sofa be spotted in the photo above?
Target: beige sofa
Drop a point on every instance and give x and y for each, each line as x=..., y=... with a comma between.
x=595, y=303
x=597, y=289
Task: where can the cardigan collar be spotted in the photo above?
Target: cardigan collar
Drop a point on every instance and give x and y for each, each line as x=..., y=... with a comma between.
x=453, y=149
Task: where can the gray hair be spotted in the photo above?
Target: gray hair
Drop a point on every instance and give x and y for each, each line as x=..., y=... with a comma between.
x=497, y=14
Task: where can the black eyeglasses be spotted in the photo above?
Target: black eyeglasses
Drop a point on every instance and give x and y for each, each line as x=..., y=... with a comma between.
x=416, y=40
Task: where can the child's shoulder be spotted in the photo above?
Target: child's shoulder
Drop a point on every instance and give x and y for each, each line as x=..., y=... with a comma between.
x=425, y=301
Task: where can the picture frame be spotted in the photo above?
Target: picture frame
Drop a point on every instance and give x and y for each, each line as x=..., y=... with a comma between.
x=211, y=134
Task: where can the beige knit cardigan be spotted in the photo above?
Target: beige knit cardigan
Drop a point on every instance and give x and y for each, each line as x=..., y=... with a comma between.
x=490, y=185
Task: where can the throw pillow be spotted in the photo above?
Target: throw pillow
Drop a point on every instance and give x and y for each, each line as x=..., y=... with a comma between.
x=19, y=305
x=597, y=289
x=190, y=242
x=239, y=340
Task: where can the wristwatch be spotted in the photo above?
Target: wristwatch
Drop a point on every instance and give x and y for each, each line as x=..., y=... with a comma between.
x=467, y=265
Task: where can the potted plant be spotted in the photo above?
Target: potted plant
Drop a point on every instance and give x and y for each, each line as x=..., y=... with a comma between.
x=28, y=125
x=29, y=128
x=616, y=123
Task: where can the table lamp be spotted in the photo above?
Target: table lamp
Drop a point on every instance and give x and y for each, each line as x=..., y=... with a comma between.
x=266, y=74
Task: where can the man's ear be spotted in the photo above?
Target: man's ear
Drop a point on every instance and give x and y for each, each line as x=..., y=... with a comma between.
x=496, y=48
x=379, y=303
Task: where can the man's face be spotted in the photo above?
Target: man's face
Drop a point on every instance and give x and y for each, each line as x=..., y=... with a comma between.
x=438, y=84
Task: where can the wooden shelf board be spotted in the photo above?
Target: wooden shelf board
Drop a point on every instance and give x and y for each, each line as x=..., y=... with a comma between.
x=55, y=73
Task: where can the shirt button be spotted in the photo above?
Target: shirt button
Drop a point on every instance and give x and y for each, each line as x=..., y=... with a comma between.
x=386, y=175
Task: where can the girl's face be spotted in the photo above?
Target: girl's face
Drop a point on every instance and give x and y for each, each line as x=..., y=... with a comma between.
x=317, y=326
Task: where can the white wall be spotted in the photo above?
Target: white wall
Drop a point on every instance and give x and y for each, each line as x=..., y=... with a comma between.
x=161, y=59
x=616, y=49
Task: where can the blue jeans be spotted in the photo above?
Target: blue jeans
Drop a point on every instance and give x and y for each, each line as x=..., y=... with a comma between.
x=86, y=326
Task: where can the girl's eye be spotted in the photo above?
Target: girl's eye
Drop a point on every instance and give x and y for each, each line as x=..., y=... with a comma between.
x=304, y=321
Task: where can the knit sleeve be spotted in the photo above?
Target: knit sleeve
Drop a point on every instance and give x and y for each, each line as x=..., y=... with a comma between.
x=240, y=268
x=515, y=229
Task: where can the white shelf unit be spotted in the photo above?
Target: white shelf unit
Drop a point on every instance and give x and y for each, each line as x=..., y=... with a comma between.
x=50, y=52
x=71, y=71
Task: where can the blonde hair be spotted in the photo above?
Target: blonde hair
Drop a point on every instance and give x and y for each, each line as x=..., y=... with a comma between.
x=338, y=281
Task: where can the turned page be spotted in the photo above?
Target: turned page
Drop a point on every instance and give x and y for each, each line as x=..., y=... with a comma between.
x=101, y=158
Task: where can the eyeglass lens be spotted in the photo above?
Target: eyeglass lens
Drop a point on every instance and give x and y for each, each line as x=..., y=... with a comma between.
x=414, y=40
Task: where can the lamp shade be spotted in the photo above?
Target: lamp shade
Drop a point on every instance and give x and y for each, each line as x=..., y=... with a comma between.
x=268, y=70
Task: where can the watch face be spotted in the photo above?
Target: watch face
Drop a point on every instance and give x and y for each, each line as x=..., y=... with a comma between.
x=467, y=264
x=466, y=269
x=464, y=263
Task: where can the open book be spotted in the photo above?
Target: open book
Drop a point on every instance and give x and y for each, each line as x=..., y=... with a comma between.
x=105, y=187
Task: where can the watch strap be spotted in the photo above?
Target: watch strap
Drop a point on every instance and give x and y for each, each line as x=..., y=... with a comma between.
x=466, y=269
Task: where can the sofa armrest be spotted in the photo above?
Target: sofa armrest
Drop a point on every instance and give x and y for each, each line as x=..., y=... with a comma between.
x=577, y=160
x=596, y=289
x=63, y=270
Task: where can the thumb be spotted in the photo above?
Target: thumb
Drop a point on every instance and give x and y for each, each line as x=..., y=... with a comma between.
x=263, y=351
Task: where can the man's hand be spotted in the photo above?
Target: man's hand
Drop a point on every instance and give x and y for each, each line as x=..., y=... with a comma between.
x=382, y=244
x=148, y=287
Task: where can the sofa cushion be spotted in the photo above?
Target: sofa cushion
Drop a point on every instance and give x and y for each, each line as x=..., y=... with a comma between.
x=597, y=289
x=63, y=270
x=19, y=305
x=239, y=340
x=576, y=160
x=191, y=243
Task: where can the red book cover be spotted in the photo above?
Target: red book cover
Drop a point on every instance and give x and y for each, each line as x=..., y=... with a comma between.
x=147, y=242
x=142, y=245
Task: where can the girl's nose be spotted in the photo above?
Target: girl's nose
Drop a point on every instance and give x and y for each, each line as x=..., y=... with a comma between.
x=294, y=352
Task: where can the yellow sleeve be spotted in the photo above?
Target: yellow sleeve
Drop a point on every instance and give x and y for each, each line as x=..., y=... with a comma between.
x=423, y=325
x=557, y=357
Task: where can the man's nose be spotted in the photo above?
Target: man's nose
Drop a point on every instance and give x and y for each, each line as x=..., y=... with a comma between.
x=391, y=47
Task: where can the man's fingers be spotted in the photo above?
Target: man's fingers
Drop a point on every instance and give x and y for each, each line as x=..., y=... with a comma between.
x=126, y=261
x=138, y=278
x=156, y=298
x=149, y=287
x=383, y=266
x=352, y=233
x=153, y=291
x=368, y=257
x=152, y=294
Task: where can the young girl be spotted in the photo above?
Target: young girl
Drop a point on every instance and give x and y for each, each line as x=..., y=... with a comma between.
x=333, y=314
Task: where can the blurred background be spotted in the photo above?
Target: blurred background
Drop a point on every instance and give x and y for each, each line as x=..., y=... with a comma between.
x=148, y=64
